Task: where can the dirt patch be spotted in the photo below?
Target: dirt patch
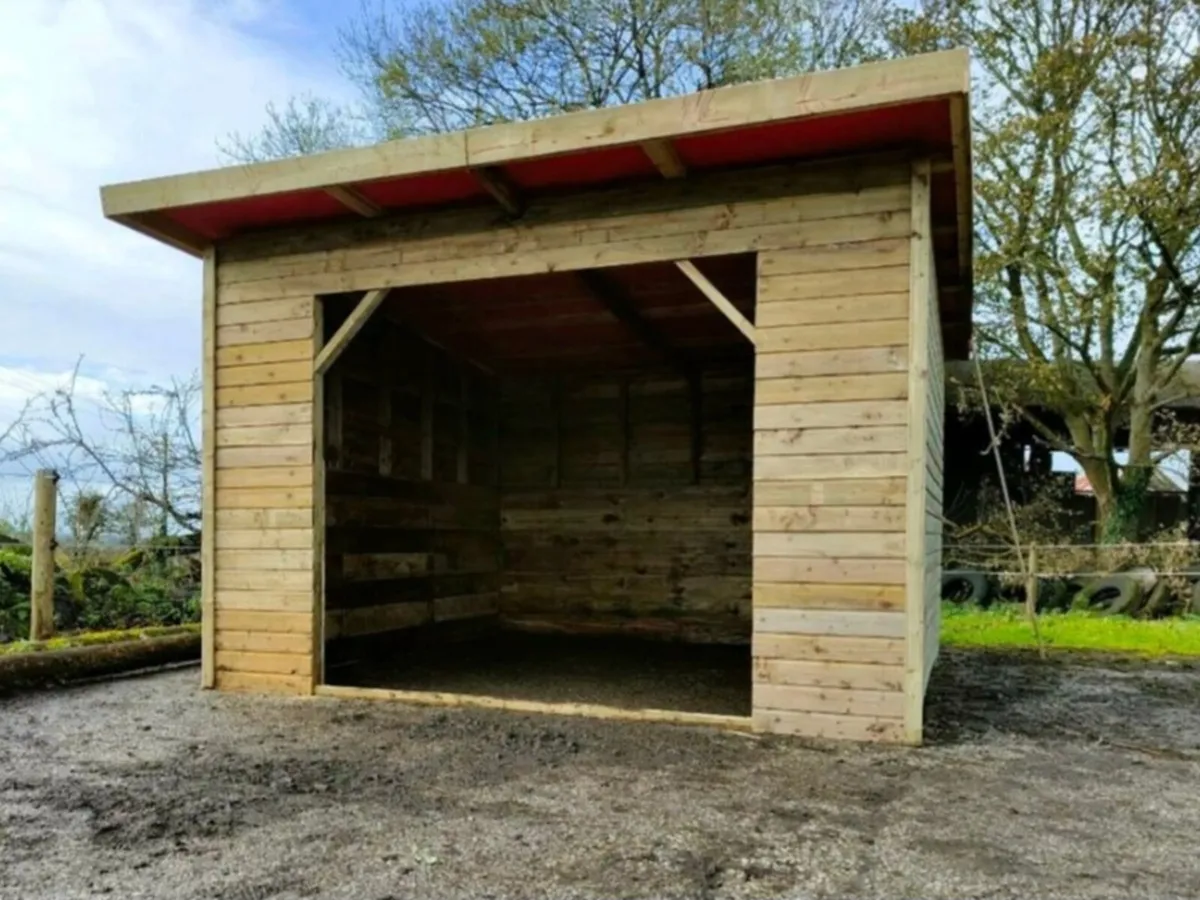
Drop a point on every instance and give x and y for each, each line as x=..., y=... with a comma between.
x=1050, y=780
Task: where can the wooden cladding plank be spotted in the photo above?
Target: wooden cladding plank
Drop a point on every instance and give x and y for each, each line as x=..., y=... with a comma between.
x=823, y=311
x=271, y=436
x=264, y=539
x=807, y=595
x=235, y=592
x=824, y=286
x=857, y=361
x=851, y=492
x=281, y=414
x=266, y=394
x=260, y=353
x=465, y=606
x=830, y=415
x=824, y=545
x=264, y=560
x=828, y=518
x=829, y=727
x=260, y=519
x=809, y=468
x=265, y=498
x=850, y=570
x=835, y=648
x=263, y=457
x=261, y=641
x=284, y=309
x=263, y=683
x=263, y=622
x=824, y=673
x=264, y=332
x=834, y=258
x=375, y=619
x=881, y=704
x=805, y=441
x=834, y=388
x=266, y=476
x=264, y=373
x=883, y=333
x=265, y=663
x=848, y=623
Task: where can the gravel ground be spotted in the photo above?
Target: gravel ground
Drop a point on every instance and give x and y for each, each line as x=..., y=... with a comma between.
x=1047, y=780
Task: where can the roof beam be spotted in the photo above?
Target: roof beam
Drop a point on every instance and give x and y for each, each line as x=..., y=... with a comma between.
x=352, y=199
x=665, y=158
x=503, y=191
x=719, y=300
x=353, y=325
x=167, y=230
x=618, y=302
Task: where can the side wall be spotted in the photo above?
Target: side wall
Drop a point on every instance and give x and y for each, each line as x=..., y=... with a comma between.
x=412, y=521
x=830, y=442
x=626, y=500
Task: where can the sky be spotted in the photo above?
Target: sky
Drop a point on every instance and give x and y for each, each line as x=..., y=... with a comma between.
x=101, y=91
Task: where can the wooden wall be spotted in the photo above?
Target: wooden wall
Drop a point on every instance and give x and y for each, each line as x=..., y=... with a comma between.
x=627, y=497
x=411, y=507
x=830, y=468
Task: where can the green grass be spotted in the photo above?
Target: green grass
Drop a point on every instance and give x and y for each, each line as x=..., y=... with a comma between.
x=91, y=638
x=1007, y=627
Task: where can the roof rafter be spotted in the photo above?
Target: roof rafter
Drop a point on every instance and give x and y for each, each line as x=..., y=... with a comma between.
x=617, y=301
x=665, y=157
x=352, y=199
x=496, y=183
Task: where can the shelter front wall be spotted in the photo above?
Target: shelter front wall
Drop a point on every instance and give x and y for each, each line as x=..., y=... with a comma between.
x=625, y=499
x=829, y=510
x=411, y=506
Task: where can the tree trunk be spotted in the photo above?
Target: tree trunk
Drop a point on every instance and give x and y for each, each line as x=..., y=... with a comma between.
x=1119, y=513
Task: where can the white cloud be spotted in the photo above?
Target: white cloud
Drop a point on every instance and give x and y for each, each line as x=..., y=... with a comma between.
x=97, y=91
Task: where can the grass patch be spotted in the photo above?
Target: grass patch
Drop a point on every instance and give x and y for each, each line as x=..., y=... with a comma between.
x=1005, y=626
x=92, y=638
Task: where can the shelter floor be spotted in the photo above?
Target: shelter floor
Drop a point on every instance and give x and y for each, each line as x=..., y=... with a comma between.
x=619, y=671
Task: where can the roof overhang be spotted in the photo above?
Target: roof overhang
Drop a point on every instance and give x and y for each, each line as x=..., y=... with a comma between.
x=917, y=104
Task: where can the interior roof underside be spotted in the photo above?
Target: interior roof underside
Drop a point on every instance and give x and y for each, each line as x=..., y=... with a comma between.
x=930, y=127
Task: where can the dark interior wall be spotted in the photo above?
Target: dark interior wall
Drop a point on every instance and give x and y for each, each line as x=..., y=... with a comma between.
x=627, y=499
x=411, y=507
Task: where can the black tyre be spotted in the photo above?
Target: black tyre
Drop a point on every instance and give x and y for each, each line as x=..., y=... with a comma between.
x=1114, y=594
x=966, y=587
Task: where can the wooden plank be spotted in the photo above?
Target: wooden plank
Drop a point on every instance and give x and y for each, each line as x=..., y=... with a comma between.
x=256, y=622
x=269, y=663
x=280, y=414
x=331, y=350
x=265, y=539
x=835, y=648
x=824, y=545
x=827, y=311
x=884, y=333
x=822, y=287
x=263, y=683
x=343, y=623
x=830, y=415
x=833, y=388
x=835, y=519
x=263, y=332
x=319, y=521
x=270, y=436
x=255, y=641
x=269, y=352
x=828, y=571
x=892, y=82
x=265, y=394
x=260, y=519
x=803, y=441
x=588, y=710
x=264, y=560
x=208, y=471
x=246, y=592
x=835, y=258
x=353, y=200
x=284, y=309
x=265, y=498
x=829, y=727
x=806, y=595
x=266, y=373
x=262, y=457
x=857, y=361
x=823, y=673
x=813, y=467
x=846, y=623
x=719, y=300
x=267, y=476
x=465, y=607
x=797, y=698
x=918, y=397
x=864, y=492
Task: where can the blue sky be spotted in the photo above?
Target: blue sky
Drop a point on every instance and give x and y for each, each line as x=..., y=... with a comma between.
x=96, y=91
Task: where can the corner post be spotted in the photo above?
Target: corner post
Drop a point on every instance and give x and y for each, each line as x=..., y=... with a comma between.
x=208, y=474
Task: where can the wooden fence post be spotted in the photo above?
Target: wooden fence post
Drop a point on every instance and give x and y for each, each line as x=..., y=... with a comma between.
x=41, y=595
x=1031, y=583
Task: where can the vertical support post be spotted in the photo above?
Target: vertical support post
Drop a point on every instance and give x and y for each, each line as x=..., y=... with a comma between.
x=318, y=499
x=208, y=475
x=41, y=606
x=1031, y=583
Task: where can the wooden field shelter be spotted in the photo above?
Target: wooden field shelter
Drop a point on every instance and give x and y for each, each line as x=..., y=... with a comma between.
x=671, y=370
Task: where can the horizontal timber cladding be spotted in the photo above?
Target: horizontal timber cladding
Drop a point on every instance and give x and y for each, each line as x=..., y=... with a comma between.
x=831, y=439
x=816, y=206
x=628, y=496
x=264, y=491
x=410, y=500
